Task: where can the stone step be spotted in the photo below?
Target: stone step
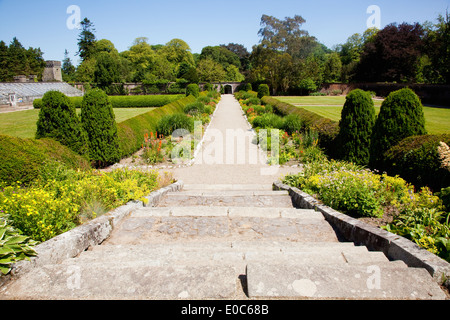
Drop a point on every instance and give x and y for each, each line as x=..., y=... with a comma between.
x=123, y=282
x=222, y=187
x=144, y=229
x=232, y=212
x=168, y=255
x=227, y=193
x=180, y=199
x=284, y=280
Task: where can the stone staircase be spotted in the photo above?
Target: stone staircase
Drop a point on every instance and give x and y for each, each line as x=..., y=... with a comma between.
x=225, y=242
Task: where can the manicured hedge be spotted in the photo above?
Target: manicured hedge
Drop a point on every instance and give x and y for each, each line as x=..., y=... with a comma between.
x=151, y=101
x=23, y=158
x=327, y=128
x=416, y=160
x=132, y=131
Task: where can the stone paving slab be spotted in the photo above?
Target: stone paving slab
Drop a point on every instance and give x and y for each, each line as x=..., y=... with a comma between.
x=283, y=280
x=85, y=281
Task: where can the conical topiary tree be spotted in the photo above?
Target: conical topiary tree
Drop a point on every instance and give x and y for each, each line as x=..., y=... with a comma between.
x=401, y=116
x=98, y=120
x=355, y=128
x=59, y=121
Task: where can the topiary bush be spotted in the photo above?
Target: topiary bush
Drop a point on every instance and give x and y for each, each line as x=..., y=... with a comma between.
x=355, y=128
x=263, y=90
x=193, y=90
x=58, y=120
x=401, y=116
x=98, y=120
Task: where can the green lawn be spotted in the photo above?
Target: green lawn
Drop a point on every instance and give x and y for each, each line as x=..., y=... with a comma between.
x=22, y=124
x=437, y=120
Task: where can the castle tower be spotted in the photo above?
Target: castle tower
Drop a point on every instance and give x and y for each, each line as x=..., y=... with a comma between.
x=52, y=72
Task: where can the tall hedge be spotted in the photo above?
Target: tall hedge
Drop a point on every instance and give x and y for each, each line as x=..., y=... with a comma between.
x=98, y=120
x=355, y=128
x=401, y=116
x=58, y=120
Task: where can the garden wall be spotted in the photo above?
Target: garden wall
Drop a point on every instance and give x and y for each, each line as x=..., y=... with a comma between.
x=428, y=93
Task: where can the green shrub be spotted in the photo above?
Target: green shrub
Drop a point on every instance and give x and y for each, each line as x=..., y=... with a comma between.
x=401, y=116
x=98, y=120
x=253, y=101
x=263, y=91
x=268, y=121
x=132, y=131
x=58, y=120
x=208, y=87
x=307, y=86
x=193, y=90
x=417, y=160
x=194, y=108
x=357, y=121
x=23, y=159
x=13, y=246
x=168, y=124
x=248, y=87
x=326, y=128
x=292, y=123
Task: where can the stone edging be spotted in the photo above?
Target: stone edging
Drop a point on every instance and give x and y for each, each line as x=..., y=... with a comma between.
x=393, y=246
x=72, y=243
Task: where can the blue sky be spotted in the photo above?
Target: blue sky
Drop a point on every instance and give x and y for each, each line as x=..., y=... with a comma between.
x=42, y=23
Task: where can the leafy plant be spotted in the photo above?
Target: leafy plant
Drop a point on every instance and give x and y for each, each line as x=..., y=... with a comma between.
x=263, y=90
x=193, y=89
x=13, y=246
x=168, y=124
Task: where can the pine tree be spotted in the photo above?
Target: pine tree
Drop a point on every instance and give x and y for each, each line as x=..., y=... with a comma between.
x=98, y=120
x=58, y=120
x=401, y=116
x=86, y=39
x=355, y=127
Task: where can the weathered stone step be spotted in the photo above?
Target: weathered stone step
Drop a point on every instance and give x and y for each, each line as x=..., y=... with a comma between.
x=169, y=252
x=285, y=280
x=227, y=193
x=185, y=200
x=222, y=187
x=115, y=281
x=232, y=212
x=137, y=230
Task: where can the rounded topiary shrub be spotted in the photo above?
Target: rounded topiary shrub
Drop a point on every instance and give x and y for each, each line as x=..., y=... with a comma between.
x=193, y=90
x=355, y=128
x=58, y=120
x=401, y=116
x=263, y=90
x=98, y=120
x=168, y=124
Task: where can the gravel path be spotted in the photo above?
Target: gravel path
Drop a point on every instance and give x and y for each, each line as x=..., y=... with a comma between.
x=228, y=154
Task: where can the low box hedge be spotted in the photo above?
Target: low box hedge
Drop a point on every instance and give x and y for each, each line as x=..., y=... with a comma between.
x=150, y=101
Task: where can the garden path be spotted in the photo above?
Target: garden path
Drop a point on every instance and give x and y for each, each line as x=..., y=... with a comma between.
x=228, y=154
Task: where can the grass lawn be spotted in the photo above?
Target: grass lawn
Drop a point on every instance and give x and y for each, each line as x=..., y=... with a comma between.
x=437, y=120
x=22, y=124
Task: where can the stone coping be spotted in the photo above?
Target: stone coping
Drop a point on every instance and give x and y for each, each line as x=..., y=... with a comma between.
x=72, y=243
x=393, y=246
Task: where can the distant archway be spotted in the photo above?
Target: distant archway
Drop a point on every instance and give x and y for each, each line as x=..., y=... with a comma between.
x=228, y=89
